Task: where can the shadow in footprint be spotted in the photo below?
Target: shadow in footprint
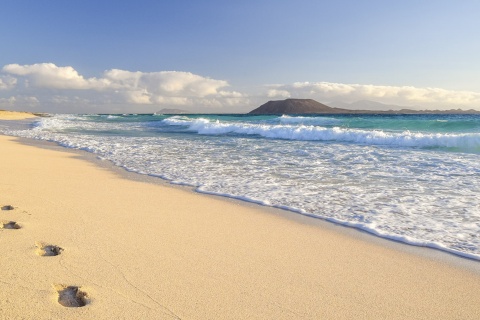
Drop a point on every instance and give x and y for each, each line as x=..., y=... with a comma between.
x=45, y=250
x=8, y=207
x=70, y=296
x=9, y=225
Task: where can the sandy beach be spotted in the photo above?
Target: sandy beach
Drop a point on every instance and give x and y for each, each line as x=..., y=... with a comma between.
x=142, y=250
x=15, y=115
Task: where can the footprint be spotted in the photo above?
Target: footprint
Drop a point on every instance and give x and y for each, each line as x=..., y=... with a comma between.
x=70, y=296
x=9, y=225
x=8, y=207
x=44, y=249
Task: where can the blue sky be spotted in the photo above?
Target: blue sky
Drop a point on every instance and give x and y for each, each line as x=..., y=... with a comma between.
x=231, y=56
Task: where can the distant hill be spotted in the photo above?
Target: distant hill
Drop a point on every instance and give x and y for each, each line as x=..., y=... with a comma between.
x=293, y=106
x=310, y=106
x=171, y=111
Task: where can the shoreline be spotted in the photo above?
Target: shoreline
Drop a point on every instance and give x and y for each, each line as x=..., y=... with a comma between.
x=16, y=115
x=436, y=254
x=452, y=257
x=140, y=247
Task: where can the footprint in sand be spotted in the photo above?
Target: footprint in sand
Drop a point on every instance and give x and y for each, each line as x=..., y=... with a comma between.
x=70, y=296
x=8, y=207
x=45, y=250
x=9, y=225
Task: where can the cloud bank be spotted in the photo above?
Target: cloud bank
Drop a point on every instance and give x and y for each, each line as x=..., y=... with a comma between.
x=51, y=88
x=64, y=85
x=400, y=95
x=48, y=75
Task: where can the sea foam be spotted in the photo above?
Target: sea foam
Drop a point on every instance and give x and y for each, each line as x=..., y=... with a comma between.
x=462, y=141
x=397, y=184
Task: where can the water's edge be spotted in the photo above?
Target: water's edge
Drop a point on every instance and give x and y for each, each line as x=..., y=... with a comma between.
x=438, y=254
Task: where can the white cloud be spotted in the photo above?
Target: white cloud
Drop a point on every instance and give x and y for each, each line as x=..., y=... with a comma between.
x=48, y=75
x=65, y=89
x=153, y=87
x=231, y=94
x=7, y=82
x=19, y=102
x=175, y=101
x=122, y=86
x=403, y=95
x=274, y=93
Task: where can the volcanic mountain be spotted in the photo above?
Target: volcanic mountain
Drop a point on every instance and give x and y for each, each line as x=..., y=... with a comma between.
x=295, y=106
x=309, y=106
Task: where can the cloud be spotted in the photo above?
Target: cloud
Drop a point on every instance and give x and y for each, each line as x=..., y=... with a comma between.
x=164, y=86
x=7, y=82
x=7, y=102
x=274, y=93
x=19, y=102
x=48, y=75
x=137, y=86
x=117, y=86
x=64, y=89
x=403, y=95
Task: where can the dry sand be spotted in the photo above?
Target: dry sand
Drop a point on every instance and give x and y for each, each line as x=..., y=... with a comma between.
x=15, y=115
x=138, y=250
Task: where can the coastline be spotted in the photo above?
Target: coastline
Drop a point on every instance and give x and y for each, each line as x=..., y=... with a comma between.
x=141, y=249
x=436, y=254
x=16, y=115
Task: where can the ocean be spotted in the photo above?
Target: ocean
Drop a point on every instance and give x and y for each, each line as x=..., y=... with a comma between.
x=410, y=178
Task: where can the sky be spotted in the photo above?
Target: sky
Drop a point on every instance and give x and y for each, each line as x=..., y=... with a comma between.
x=232, y=56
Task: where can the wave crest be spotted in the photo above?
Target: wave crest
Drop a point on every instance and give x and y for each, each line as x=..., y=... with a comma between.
x=289, y=131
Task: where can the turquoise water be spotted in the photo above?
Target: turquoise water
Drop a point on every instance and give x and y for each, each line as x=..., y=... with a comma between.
x=412, y=178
